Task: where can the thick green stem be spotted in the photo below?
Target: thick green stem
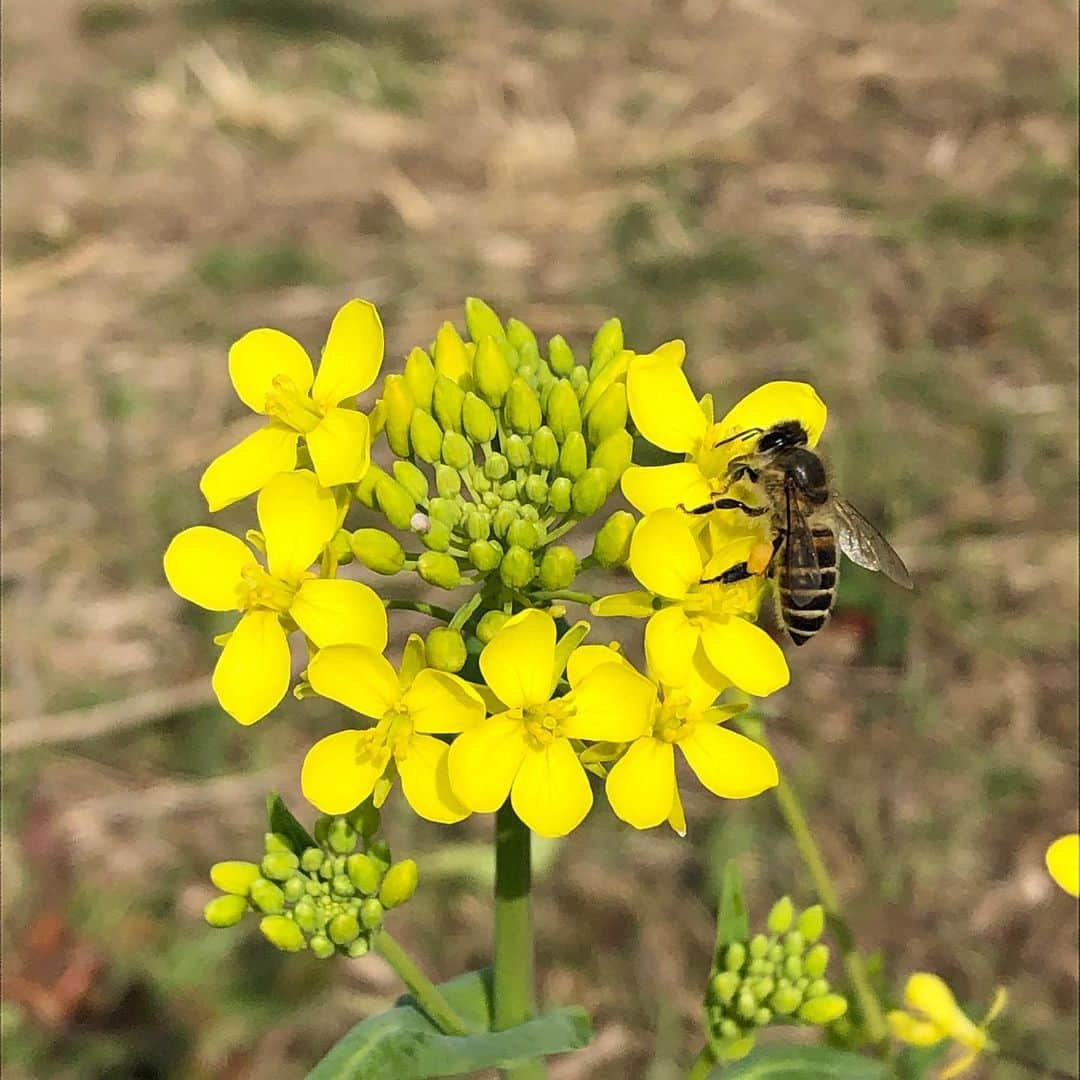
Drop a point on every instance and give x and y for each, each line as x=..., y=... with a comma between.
x=424, y=608
x=566, y=594
x=420, y=986
x=515, y=998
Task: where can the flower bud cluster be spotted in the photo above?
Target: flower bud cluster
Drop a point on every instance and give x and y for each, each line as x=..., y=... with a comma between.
x=775, y=977
x=329, y=898
x=500, y=447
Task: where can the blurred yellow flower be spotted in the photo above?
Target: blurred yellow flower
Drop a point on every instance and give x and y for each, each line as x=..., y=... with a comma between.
x=524, y=751
x=932, y=1014
x=272, y=375
x=411, y=707
x=1063, y=862
x=707, y=626
x=219, y=572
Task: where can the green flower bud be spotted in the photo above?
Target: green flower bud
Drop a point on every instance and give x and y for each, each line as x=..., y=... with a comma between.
x=816, y=961
x=365, y=819
x=729, y=1029
x=447, y=481
x=563, y=410
x=517, y=452
x=735, y=956
x=322, y=946
x=477, y=525
x=612, y=544
x=520, y=336
x=759, y=966
x=371, y=913
x=497, y=467
x=759, y=946
x=762, y=987
x=485, y=555
x=438, y=568
x=394, y=501
x=811, y=923
x=308, y=915
x=559, y=494
x=311, y=860
x=282, y=933
x=280, y=865
x=399, y=406
x=492, y=372
x=448, y=511
x=482, y=321
x=823, y=1010
x=225, y=911
x=762, y=1017
x=794, y=943
x=536, y=490
x=447, y=402
x=426, y=436
x=322, y=823
x=608, y=415
x=491, y=622
x=341, y=836
x=339, y=547
x=411, y=479
x=445, y=650
x=400, y=882
x=377, y=550
x=502, y=519
x=365, y=489
x=793, y=967
x=359, y=948
x=451, y=356
x=517, y=568
x=560, y=356
x=746, y=1006
x=364, y=873
x=275, y=841
x=522, y=533
x=558, y=567
x=786, y=999
x=590, y=491
x=435, y=535
x=420, y=377
x=574, y=457
x=343, y=929
x=614, y=456
x=294, y=888
x=724, y=985
x=607, y=343
x=817, y=988
x=456, y=451
x=478, y=419
x=341, y=886
x=781, y=915
x=522, y=408
x=579, y=380
x=775, y=953
x=234, y=876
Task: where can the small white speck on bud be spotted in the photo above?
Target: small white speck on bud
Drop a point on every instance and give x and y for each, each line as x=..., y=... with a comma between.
x=420, y=523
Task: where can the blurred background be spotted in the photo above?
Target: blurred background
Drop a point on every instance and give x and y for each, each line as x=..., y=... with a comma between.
x=877, y=196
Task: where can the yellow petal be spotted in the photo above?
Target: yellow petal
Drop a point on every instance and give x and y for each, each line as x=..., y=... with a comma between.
x=634, y=605
x=439, y=703
x=702, y=684
x=745, y=654
x=340, y=611
x=728, y=764
x=334, y=777
x=413, y=661
x=671, y=641
x=249, y=465
x=340, y=446
x=354, y=676
x=910, y=1029
x=253, y=671
x=677, y=817
x=772, y=403
x=203, y=565
x=518, y=661
x=641, y=784
x=931, y=996
x=352, y=355
x=551, y=792
x=425, y=780
x=1062, y=859
x=297, y=517
x=661, y=402
x=484, y=761
x=587, y=657
x=657, y=487
x=611, y=373
x=664, y=556
x=261, y=356
x=613, y=703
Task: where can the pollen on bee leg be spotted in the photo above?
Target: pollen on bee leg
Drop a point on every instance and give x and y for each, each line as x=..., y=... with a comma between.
x=759, y=558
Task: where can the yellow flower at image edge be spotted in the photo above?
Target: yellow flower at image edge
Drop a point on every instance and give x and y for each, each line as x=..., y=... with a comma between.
x=219, y=572
x=1063, y=862
x=932, y=1014
x=343, y=769
x=524, y=751
x=273, y=375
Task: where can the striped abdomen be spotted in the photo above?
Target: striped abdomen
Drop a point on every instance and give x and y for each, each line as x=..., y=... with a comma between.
x=804, y=606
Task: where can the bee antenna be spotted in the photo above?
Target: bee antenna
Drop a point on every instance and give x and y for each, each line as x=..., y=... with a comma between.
x=748, y=433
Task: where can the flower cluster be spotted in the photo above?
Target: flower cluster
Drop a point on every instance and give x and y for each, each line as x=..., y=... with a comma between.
x=778, y=977
x=495, y=449
x=327, y=897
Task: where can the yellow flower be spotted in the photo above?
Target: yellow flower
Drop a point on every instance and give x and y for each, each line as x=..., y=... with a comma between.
x=218, y=572
x=524, y=751
x=641, y=785
x=411, y=707
x=707, y=626
x=1063, y=862
x=273, y=376
x=932, y=1015
x=666, y=413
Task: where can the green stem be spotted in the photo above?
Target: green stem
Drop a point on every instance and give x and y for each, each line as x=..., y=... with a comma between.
x=566, y=594
x=515, y=1000
x=702, y=1066
x=464, y=613
x=427, y=994
x=561, y=530
x=421, y=606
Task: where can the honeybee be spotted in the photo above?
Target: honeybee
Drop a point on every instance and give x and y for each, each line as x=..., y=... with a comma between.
x=808, y=521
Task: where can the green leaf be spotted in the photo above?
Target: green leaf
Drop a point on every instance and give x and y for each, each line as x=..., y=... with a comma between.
x=403, y=1044
x=802, y=1063
x=280, y=820
x=732, y=921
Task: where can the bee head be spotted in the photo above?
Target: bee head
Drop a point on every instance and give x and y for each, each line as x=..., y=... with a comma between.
x=782, y=436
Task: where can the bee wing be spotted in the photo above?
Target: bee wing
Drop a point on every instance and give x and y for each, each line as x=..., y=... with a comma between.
x=800, y=555
x=866, y=547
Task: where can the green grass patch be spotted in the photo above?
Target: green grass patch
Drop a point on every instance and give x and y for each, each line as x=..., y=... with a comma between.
x=109, y=17
x=238, y=269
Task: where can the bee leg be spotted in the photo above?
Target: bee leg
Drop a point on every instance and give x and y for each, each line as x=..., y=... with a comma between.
x=736, y=504
x=739, y=572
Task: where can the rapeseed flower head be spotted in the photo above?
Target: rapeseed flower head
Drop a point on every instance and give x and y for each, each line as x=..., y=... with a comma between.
x=273, y=376
x=526, y=750
x=932, y=1015
x=1063, y=862
x=211, y=568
